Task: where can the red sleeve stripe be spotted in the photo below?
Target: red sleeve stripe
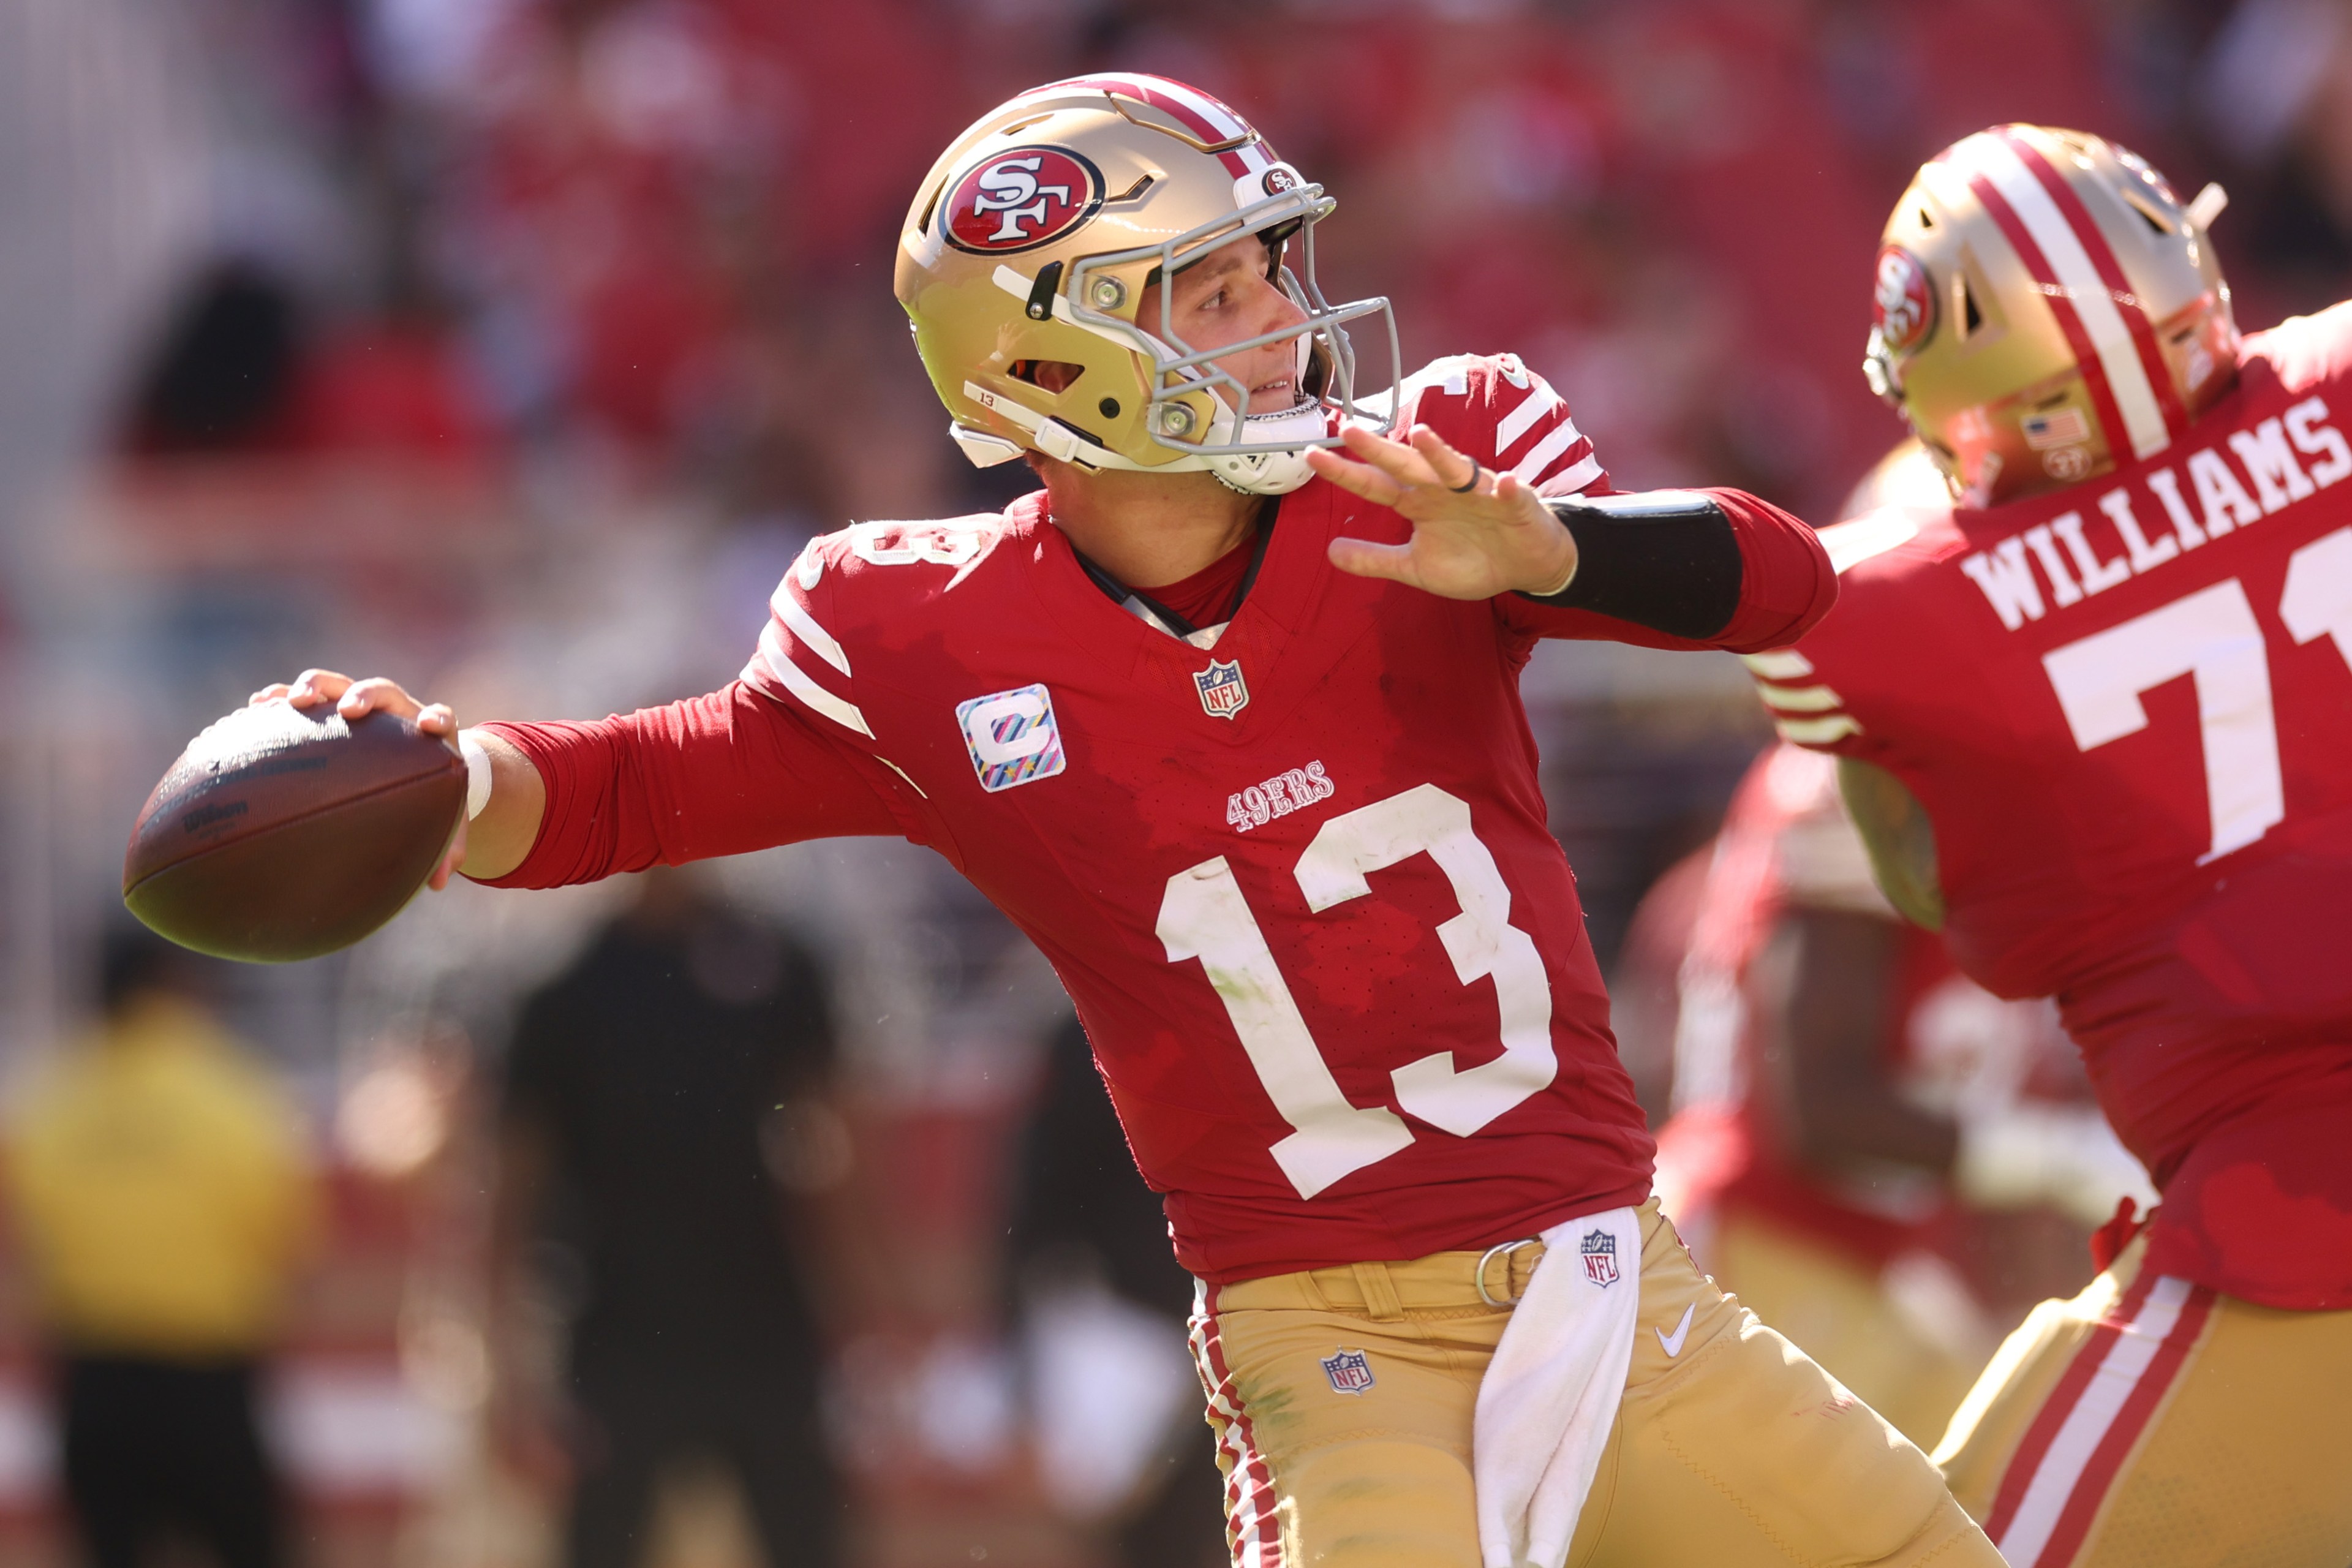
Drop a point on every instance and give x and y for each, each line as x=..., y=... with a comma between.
x=2111, y=273
x=2119, y=385
x=2096, y=1414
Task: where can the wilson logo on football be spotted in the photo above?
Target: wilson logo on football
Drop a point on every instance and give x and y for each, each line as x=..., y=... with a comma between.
x=1903, y=302
x=1019, y=199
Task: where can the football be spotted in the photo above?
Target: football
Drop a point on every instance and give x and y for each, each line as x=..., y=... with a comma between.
x=282, y=834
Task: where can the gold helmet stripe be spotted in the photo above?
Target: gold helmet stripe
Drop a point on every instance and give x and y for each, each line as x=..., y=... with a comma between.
x=2089, y=315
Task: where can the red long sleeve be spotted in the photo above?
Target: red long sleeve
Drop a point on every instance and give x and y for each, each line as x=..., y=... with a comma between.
x=719, y=774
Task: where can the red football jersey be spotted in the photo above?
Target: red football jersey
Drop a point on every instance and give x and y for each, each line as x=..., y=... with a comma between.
x=1298, y=881
x=1947, y=1045
x=2127, y=708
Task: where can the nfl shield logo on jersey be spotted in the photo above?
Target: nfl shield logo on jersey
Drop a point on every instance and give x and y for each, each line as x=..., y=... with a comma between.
x=1351, y=1371
x=1600, y=1249
x=1223, y=692
x=1012, y=737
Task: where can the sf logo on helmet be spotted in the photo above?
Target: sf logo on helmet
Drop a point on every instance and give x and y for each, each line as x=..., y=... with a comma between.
x=1020, y=199
x=1903, y=304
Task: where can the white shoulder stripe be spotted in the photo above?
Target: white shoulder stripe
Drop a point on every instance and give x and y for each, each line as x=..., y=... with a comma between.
x=2134, y=398
x=1569, y=480
x=1521, y=419
x=808, y=692
x=1817, y=731
x=1800, y=699
x=804, y=627
x=1547, y=451
x=1779, y=664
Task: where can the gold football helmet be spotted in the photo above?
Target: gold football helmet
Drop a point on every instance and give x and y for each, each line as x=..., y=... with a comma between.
x=2046, y=308
x=1028, y=250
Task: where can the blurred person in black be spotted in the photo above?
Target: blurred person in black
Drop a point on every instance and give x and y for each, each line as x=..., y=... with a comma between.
x=661, y=1105
x=162, y=1194
x=1085, y=1229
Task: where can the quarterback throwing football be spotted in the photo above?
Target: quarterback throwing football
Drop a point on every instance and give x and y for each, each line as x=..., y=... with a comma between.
x=1228, y=723
x=2097, y=723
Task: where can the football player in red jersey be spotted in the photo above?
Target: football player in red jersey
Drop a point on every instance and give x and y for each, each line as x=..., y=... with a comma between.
x=1228, y=723
x=2097, y=723
x=1849, y=1111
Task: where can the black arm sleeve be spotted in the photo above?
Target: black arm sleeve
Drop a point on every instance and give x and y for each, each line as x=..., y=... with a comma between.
x=1667, y=560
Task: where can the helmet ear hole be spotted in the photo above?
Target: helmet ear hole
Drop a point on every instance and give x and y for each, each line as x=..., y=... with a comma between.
x=1971, y=317
x=1054, y=375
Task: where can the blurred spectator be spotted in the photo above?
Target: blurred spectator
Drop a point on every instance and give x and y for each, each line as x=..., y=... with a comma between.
x=663, y=1100
x=1841, y=1091
x=1119, y=1435
x=161, y=1184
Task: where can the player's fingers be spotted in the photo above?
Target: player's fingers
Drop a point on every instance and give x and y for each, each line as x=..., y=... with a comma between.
x=270, y=693
x=450, y=861
x=1364, y=558
x=314, y=686
x=1398, y=461
x=1356, y=478
x=375, y=695
x=437, y=718
x=1452, y=468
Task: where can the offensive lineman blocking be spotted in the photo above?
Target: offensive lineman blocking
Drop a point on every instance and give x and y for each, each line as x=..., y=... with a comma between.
x=1252, y=773
x=2094, y=722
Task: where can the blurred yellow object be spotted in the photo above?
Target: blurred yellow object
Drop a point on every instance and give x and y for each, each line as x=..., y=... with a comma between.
x=1913, y=1367
x=162, y=1190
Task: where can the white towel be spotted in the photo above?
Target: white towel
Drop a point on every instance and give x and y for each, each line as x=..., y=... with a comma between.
x=1551, y=1392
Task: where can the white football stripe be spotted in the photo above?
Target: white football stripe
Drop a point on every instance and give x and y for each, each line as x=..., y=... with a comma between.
x=811, y=695
x=2126, y=378
x=2094, y=1412
x=804, y=627
x=1800, y=699
x=1548, y=450
x=1571, y=480
x=1780, y=664
x=1817, y=731
x=1522, y=419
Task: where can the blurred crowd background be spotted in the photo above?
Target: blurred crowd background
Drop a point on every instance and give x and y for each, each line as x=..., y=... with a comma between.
x=513, y=347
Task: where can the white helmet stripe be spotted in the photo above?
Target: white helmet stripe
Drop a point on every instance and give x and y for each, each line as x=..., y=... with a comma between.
x=2135, y=396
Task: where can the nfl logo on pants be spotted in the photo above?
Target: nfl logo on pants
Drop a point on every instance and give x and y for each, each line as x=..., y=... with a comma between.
x=1599, y=1250
x=1351, y=1371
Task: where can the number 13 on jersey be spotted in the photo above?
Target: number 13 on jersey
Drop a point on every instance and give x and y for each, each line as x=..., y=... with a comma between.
x=1203, y=915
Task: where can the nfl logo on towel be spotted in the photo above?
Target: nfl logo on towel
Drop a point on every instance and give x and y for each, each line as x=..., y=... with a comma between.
x=1351, y=1371
x=1223, y=692
x=1600, y=1249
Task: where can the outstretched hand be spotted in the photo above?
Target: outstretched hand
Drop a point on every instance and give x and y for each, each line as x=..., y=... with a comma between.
x=353, y=698
x=1495, y=536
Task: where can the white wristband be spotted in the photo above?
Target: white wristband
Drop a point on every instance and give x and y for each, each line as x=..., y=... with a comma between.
x=478, y=773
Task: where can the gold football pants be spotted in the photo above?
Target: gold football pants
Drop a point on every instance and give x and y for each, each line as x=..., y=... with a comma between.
x=1342, y=1398
x=1840, y=1312
x=2152, y=1423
